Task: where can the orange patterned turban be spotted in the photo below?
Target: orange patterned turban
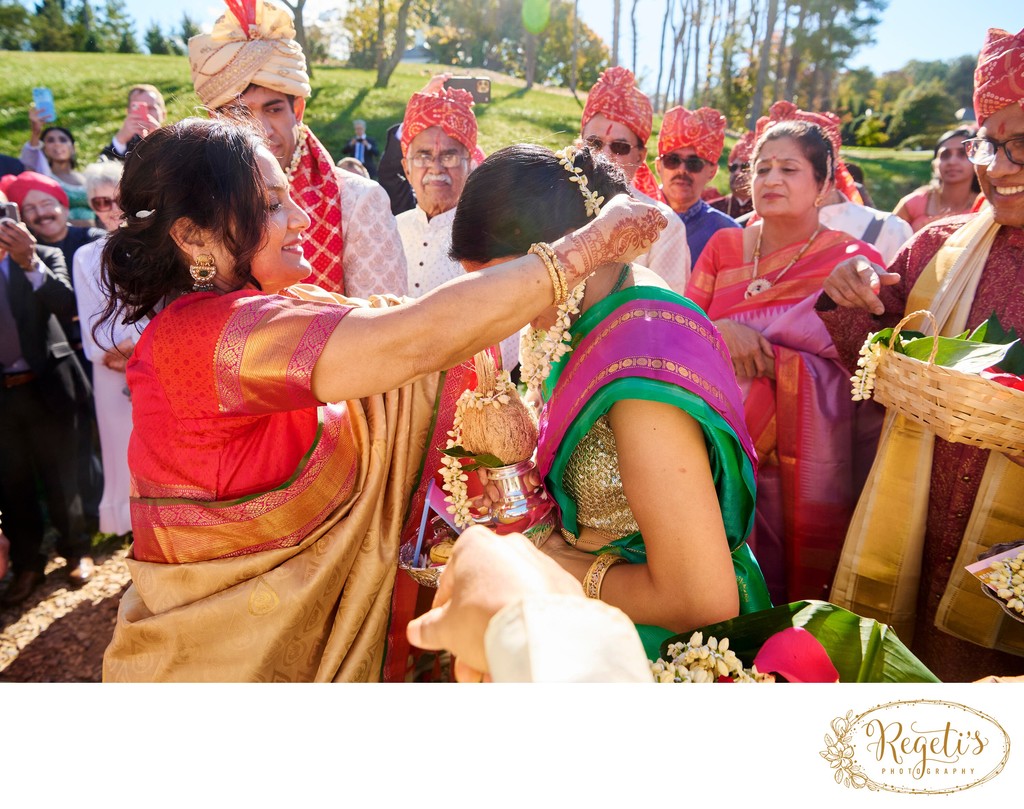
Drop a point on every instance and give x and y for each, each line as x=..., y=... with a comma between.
x=253, y=44
x=829, y=122
x=616, y=96
x=743, y=149
x=999, y=77
x=451, y=109
x=703, y=130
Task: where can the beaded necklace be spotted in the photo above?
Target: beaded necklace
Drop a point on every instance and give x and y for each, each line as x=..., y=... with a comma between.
x=759, y=285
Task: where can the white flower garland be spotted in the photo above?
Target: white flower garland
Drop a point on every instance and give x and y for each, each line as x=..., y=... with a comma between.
x=539, y=349
x=591, y=200
x=451, y=468
x=699, y=662
x=300, y=144
x=864, y=378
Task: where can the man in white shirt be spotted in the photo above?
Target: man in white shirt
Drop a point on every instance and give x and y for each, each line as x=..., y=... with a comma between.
x=438, y=151
x=617, y=120
x=884, y=230
x=511, y=614
x=256, y=68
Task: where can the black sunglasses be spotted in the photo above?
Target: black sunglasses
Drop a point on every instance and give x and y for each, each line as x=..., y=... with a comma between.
x=693, y=164
x=616, y=147
x=102, y=204
x=734, y=167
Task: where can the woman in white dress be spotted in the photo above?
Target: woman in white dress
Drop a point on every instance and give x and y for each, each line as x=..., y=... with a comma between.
x=108, y=351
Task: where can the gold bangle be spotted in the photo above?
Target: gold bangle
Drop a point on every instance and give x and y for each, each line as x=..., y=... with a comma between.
x=555, y=270
x=595, y=575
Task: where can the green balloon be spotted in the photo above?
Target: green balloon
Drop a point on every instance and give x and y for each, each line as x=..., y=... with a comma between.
x=536, y=14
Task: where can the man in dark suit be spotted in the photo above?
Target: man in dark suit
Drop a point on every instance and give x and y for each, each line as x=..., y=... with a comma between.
x=42, y=382
x=363, y=148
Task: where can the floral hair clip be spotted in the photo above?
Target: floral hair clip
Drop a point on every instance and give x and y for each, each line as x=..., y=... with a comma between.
x=591, y=200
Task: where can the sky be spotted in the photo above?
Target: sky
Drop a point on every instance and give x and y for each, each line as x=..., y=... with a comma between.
x=909, y=29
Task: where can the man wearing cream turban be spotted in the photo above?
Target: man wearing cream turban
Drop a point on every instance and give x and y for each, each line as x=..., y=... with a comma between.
x=617, y=120
x=689, y=146
x=251, y=61
x=930, y=507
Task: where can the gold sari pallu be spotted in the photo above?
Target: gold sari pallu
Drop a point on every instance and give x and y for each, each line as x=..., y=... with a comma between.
x=315, y=611
x=880, y=568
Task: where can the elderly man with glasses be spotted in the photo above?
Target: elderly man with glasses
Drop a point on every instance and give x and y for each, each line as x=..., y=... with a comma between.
x=617, y=120
x=929, y=506
x=689, y=146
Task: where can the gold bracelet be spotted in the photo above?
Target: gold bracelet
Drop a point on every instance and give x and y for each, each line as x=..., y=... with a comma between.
x=555, y=270
x=595, y=575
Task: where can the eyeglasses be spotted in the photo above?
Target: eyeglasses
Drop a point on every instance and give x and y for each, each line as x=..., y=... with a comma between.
x=734, y=167
x=616, y=147
x=983, y=151
x=45, y=206
x=102, y=204
x=693, y=164
x=449, y=160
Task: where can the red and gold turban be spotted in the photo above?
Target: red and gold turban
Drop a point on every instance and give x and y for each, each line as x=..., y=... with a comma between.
x=703, y=130
x=829, y=122
x=743, y=149
x=253, y=44
x=16, y=186
x=999, y=77
x=616, y=96
x=451, y=109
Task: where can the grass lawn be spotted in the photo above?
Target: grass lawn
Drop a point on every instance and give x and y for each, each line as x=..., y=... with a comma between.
x=90, y=97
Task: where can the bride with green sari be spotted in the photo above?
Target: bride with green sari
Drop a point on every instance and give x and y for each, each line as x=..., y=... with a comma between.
x=642, y=442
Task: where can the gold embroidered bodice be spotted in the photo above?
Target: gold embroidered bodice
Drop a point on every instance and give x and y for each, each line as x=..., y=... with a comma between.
x=592, y=480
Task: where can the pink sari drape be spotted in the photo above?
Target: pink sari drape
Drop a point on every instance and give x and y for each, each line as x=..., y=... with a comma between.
x=814, y=444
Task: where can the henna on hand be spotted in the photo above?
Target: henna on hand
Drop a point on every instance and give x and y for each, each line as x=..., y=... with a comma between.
x=620, y=233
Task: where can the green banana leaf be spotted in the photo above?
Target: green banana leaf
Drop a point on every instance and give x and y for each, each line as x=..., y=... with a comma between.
x=960, y=355
x=862, y=649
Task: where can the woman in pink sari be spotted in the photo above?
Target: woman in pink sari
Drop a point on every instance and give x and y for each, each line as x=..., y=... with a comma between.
x=758, y=285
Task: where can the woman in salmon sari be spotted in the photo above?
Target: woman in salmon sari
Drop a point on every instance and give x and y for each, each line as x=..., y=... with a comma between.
x=758, y=285
x=642, y=442
x=266, y=522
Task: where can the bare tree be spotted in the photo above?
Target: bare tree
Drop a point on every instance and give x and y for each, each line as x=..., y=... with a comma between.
x=757, y=102
x=658, y=104
x=780, y=56
x=632, y=20
x=386, y=63
x=296, y=7
x=796, y=52
x=616, y=17
x=698, y=21
x=575, y=47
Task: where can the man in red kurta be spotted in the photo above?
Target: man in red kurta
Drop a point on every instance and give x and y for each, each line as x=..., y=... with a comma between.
x=946, y=613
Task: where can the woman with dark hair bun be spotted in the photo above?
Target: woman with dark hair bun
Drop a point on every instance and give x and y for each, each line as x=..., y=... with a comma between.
x=642, y=442
x=954, y=188
x=759, y=286
x=267, y=523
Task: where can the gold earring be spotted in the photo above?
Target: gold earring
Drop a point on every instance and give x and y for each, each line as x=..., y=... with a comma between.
x=203, y=270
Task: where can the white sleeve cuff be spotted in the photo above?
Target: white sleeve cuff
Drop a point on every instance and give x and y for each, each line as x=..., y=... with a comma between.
x=563, y=638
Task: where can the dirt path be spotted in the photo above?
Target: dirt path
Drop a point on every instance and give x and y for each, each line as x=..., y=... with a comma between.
x=59, y=634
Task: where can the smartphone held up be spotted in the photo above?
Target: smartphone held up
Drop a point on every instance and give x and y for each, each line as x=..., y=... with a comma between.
x=480, y=88
x=42, y=98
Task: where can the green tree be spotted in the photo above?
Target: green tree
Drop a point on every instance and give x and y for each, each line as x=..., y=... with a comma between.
x=118, y=27
x=85, y=29
x=871, y=132
x=922, y=111
x=15, y=27
x=50, y=29
x=156, y=42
